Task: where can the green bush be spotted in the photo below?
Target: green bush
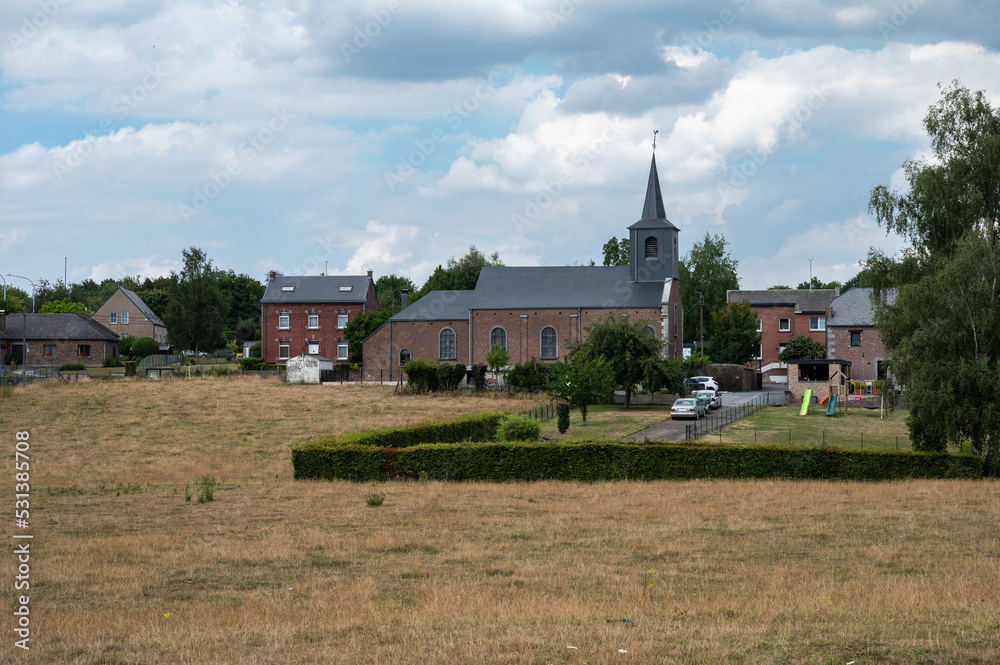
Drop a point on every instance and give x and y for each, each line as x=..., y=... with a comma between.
x=562, y=411
x=130, y=367
x=519, y=428
x=125, y=345
x=423, y=376
x=250, y=363
x=532, y=375
x=72, y=367
x=221, y=371
x=269, y=366
x=256, y=350
x=145, y=346
x=111, y=362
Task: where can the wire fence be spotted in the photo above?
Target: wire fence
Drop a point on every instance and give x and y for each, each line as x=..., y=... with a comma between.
x=811, y=438
x=725, y=416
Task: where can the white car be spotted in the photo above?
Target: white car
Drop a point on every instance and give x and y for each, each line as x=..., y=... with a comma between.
x=687, y=407
x=708, y=381
x=713, y=398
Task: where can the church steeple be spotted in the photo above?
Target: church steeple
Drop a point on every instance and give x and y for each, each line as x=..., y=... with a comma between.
x=653, y=251
x=653, y=207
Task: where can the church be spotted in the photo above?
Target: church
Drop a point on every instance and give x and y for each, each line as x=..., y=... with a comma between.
x=538, y=312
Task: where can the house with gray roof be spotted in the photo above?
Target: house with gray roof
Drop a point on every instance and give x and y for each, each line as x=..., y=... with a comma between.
x=307, y=314
x=125, y=313
x=537, y=312
x=851, y=334
x=53, y=339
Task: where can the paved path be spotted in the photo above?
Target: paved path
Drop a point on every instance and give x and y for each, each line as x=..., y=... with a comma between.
x=673, y=430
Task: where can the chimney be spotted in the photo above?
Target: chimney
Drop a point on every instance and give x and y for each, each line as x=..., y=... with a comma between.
x=369, y=274
x=404, y=299
x=271, y=275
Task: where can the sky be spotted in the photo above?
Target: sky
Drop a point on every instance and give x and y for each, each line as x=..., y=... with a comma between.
x=305, y=136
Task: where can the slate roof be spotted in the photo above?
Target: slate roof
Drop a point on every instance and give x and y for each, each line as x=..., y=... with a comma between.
x=653, y=213
x=804, y=300
x=316, y=288
x=563, y=286
x=66, y=326
x=854, y=308
x=438, y=306
x=146, y=311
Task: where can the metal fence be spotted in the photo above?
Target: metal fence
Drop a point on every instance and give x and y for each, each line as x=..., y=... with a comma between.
x=543, y=412
x=723, y=417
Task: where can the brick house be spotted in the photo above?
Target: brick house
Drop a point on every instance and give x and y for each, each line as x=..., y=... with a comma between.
x=824, y=377
x=126, y=314
x=536, y=312
x=54, y=339
x=851, y=335
x=781, y=315
x=307, y=314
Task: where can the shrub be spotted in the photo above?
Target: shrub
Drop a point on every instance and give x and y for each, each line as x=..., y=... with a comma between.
x=221, y=371
x=130, y=367
x=423, y=376
x=207, y=491
x=256, y=350
x=562, y=409
x=72, y=367
x=478, y=376
x=531, y=376
x=519, y=428
x=112, y=362
x=125, y=345
x=450, y=375
x=145, y=346
x=269, y=366
x=250, y=363
x=375, y=499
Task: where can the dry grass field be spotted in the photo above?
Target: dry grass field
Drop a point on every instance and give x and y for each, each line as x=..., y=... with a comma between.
x=276, y=571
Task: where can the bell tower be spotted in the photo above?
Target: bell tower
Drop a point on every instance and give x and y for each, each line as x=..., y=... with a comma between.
x=653, y=239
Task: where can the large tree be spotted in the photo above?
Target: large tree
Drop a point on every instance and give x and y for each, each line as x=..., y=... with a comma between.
x=734, y=338
x=388, y=289
x=938, y=305
x=461, y=273
x=708, y=269
x=243, y=293
x=197, y=309
x=359, y=328
x=581, y=381
x=627, y=347
x=802, y=347
x=616, y=252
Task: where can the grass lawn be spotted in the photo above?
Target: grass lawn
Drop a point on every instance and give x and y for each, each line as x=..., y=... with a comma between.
x=125, y=570
x=859, y=428
x=606, y=421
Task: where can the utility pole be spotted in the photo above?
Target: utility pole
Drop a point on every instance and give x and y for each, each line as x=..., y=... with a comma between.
x=810, y=274
x=701, y=320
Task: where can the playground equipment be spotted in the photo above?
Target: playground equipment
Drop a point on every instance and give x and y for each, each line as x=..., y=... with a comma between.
x=833, y=405
x=805, y=402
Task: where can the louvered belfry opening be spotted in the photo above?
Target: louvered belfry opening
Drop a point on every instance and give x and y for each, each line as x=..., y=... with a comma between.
x=651, y=248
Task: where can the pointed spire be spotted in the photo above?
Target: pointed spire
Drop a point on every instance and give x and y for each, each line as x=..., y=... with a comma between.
x=653, y=207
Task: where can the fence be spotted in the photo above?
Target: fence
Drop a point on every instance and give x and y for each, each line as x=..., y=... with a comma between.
x=723, y=417
x=800, y=438
x=159, y=360
x=543, y=412
x=9, y=377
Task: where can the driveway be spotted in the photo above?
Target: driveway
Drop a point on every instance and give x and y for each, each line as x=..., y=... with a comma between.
x=673, y=430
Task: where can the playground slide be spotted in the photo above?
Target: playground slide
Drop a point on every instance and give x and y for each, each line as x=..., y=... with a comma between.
x=830, y=410
x=823, y=401
x=805, y=402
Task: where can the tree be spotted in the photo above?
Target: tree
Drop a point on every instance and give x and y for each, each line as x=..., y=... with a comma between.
x=735, y=338
x=710, y=269
x=616, y=252
x=56, y=306
x=144, y=346
x=197, y=309
x=245, y=331
x=779, y=287
x=388, y=289
x=940, y=326
x=242, y=293
x=802, y=347
x=461, y=273
x=496, y=359
x=581, y=381
x=625, y=346
x=817, y=284
x=358, y=330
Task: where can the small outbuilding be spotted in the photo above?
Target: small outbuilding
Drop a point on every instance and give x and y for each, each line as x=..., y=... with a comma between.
x=824, y=377
x=307, y=368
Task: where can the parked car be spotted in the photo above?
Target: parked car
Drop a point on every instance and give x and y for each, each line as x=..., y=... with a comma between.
x=687, y=407
x=708, y=381
x=711, y=397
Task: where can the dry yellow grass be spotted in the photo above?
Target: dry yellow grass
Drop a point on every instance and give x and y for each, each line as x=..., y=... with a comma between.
x=286, y=572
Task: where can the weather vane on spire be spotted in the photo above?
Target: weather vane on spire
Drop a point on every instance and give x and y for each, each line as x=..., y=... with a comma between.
x=655, y=132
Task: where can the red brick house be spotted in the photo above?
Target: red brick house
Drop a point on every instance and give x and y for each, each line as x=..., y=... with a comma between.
x=536, y=312
x=308, y=314
x=851, y=335
x=781, y=315
x=54, y=339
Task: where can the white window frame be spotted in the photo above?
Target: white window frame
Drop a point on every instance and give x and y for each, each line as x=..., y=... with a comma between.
x=341, y=321
x=454, y=345
x=760, y=352
x=555, y=343
x=820, y=323
x=46, y=353
x=787, y=327
x=124, y=318
x=288, y=321
x=312, y=320
x=760, y=325
x=504, y=332
x=342, y=351
x=114, y=318
x=81, y=347
x=314, y=347
x=287, y=346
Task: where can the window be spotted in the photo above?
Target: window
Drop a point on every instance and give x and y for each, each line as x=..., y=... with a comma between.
x=114, y=318
x=817, y=323
x=855, y=338
x=760, y=352
x=652, y=250
x=550, y=347
x=675, y=319
x=404, y=355
x=282, y=350
x=313, y=347
x=342, y=350
x=83, y=350
x=287, y=289
x=341, y=320
x=125, y=318
x=446, y=344
x=498, y=337
x=283, y=322
x=760, y=325
x=313, y=321
x=49, y=350
x=346, y=289
x=649, y=331
x=784, y=325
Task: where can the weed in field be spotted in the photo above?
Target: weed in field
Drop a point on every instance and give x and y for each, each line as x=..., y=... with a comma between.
x=376, y=409
x=207, y=491
x=375, y=499
x=187, y=492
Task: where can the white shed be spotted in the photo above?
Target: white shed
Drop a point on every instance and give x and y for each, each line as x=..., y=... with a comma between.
x=306, y=368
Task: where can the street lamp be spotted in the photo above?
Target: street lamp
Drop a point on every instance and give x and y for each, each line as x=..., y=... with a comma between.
x=10, y=274
x=4, y=287
x=701, y=320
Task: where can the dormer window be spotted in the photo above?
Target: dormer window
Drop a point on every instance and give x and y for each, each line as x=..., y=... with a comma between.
x=652, y=249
